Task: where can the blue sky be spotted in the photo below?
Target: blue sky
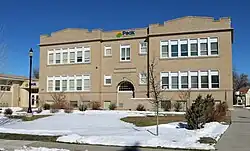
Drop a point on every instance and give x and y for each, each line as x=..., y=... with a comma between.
x=24, y=21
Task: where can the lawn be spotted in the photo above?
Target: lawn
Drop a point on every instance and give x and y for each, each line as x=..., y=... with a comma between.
x=151, y=120
x=26, y=118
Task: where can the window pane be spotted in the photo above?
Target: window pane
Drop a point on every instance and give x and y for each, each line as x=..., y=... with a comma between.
x=174, y=50
x=108, y=52
x=128, y=54
x=50, y=85
x=79, y=56
x=194, y=49
x=143, y=47
x=184, y=50
x=51, y=58
x=108, y=81
x=175, y=83
x=214, y=48
x=204, y=50
x=164, y=51
x=65, y=57
x=58, y=59
x=72, y=57
x=184, y=81
x=143, y=78
x=64, y=85
x=87, y=56
x=165, y=82
x=194, y=81
x=86, y=84
x=123, y=54
x=57, y=85
x=78, y=84
x=72, y=84
x=215, y=81
x=204, y=81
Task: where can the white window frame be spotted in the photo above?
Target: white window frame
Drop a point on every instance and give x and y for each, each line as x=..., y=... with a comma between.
x=165, y=74
x=212, y=73
x=183, y=74
x=140, y=47
x=53, y=84
x=204, y=73
x=164, y=43
x=185, y=42
x=194, y=41
x=125, y=46
x=211, y=40
x=79, y=50
x=175, y=42
x=78, y=77
x=105, y=51
x=53, y=57
x=193, y=73
x=72, y=50
x=87, y=76
x=175, y=74
x=60, y=56
x=64, y=78
x=63, y=52
x=107, y=77
x=60, y=81
x=204, y=41
x=85, y=59
x=141, y=81
x=69, y=79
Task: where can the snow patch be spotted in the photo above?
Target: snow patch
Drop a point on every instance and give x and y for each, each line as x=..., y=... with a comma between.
x=39, y=149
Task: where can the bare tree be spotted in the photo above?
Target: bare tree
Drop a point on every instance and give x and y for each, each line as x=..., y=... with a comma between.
x=185, y=96
x=239, y=81
x=155, y=90
x=36, y=73
x=59, y=99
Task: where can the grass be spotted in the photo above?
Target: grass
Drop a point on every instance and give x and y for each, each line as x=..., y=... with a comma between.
x=10, y=136
x=25, y=118
x=151, y=120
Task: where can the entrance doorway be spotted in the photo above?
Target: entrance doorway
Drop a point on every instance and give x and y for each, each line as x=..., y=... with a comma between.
x=125, y=91
x=34, y=99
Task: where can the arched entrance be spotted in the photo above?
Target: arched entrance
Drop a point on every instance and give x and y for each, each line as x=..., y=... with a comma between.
x=125, y=91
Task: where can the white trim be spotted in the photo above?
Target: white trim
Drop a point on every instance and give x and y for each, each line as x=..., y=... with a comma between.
x=140, y=48
x=107, y=77
x=105, y=50
x=164, y=43
x=164, y=74
x=140, y=78
x=125, y=46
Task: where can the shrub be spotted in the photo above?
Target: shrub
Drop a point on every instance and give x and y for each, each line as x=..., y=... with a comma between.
x=54, y=108
x=167, y=106
x=39, y=110
x=200, y=112
x=140, y=107
x=83, y=107
x=95, y=105
x=177, y=107
x=220, y=111
x=8, y=111
x=46, y=106
x=112, y=106
x=68, y=109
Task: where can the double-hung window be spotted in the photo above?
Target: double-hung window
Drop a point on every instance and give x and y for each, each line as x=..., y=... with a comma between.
x=174, y=80
x=71, y=83
x=86, y=82
x=79, y=56
x=164, y=80
x=51, y=57
x=203, y=47
x=79, y=83
x=87, y=55
x=125, y=53
x=184, y=80
x=143, y=47
x=64, y=84
x=58, y=58
x=72, y=57
x=184, y=48
x=50, y=84
x=174, y=48
x=204, y=79
x=65, y=57
x=215, y=79
x=107, y=80
x=214, y=46
x=194, y=80
x=57, y=84
x=194, y=47
x=164, y=49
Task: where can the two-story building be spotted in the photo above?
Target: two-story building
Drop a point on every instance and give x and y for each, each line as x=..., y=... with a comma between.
x=193, y=54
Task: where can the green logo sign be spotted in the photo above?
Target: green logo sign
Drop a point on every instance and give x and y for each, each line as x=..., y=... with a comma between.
x=125, y=34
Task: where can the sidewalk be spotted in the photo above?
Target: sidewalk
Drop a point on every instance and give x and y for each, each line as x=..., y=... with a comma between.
x=237, y=137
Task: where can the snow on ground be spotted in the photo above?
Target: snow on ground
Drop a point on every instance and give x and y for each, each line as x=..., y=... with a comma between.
x=39, y=149
x=106, y=128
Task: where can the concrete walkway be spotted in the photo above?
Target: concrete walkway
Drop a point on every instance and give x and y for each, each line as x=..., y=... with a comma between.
x=237, y=136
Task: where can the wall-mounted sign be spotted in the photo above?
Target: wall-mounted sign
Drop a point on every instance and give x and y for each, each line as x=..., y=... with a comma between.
x=125, y=33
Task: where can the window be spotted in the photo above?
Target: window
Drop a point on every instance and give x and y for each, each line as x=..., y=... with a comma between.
x=57, y=85
x=107, y=51
x=184, y=80
x=86, y=83
x=64, y=85
x=164, y=81
x=204, y=79
x=143, y=78
x=194, y=47
x=143, y=48
x=58, y=58
x=51, y=58
x=194, y=79
x=174, y=48
x=107, y=80
x=125, y=53
x=79, y=83
x=184, y=48
x=214, y=46
x=86, y=55
x=203, y=47
x=215, y=79
x=65, y=57
x=50, y=85
x=72, y=57
x=164, y=49
x=71, y=84
x=79, y=56
x=175, y=80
